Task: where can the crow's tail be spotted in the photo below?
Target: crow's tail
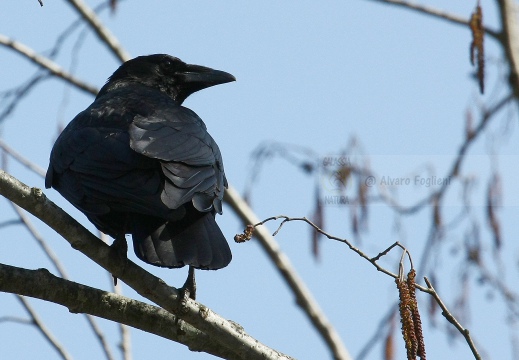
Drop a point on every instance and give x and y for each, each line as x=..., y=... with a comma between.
x=198, y=242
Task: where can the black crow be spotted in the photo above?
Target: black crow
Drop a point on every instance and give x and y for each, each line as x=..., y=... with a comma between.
x=137, y=162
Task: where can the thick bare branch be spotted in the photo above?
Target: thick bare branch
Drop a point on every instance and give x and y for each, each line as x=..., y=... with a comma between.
x=303, y=296
x=231, y=337
x=78, y=298
x=61, y=270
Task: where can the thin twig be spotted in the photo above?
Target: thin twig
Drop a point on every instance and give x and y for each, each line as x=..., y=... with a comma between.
x=125, y=344
x=454, y=171
x=40, y=241
x=22, y=160
x=102, y=32
x=43, y=329
x=16, y=320
x=373, y=260
x=126, y=340
x=100, y=336
x=511, y=298
x=46, y=63
x=10, y=223
x=13, y=97
x=508, y=13
x=437, y=13
x=303, y=296
x=382, y=325
x=448, y=315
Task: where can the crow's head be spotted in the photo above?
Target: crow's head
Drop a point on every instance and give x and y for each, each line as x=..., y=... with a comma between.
x=167, y=74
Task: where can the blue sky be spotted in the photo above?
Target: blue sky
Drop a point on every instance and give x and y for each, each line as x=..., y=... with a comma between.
x=310, y=74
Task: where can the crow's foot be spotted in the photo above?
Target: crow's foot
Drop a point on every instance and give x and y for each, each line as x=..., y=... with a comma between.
x=119, y=250
x=188, y=290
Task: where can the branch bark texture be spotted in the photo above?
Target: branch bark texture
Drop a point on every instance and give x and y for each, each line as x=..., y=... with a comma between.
x=230, y=337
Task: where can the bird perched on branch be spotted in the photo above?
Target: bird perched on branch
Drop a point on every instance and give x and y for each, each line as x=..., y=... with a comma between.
x=137, y=162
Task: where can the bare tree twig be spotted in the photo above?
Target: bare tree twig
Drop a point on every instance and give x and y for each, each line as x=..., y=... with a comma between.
x=102, y=32
x=511, y=298
x=40, y=241
x=485, y=119
x=382, y=326
x=508, y=13
x=448, y=315
x=373, y=260
x=10, y=222
x=46, y=63
x=125, y=344
x=126, y=341
x=42, y=328
x=453, y=171
x=16, y=320
x=437, y=13
x=455, y=168
x=22, y=160
x=100, y=336
x=231, y=337
x=507, y=36
x=303, y=296
x=13, y=97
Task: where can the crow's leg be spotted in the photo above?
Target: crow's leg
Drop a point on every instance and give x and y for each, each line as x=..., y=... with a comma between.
x=188, y=290
x=119, y=249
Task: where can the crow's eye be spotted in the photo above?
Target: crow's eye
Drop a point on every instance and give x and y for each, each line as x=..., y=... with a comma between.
x=170, y=66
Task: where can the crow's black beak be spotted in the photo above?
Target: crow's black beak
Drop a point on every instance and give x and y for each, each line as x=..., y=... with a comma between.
x=196, y=77
x=192, y=78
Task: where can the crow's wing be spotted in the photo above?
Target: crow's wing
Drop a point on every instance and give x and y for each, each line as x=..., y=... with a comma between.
x=94, y=168
x=189, y=157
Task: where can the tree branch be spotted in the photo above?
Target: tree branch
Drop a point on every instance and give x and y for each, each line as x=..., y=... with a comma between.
x=303, y=296
x=125, y=344
x=78, y=298
x=101, y=31
x=230, y=337
x=373, y=260
x=48, y=251
x=35, y=319
x=437, y=13
x=508, y=13
x=448, y=315
x=22, y=160
x=45, y=63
